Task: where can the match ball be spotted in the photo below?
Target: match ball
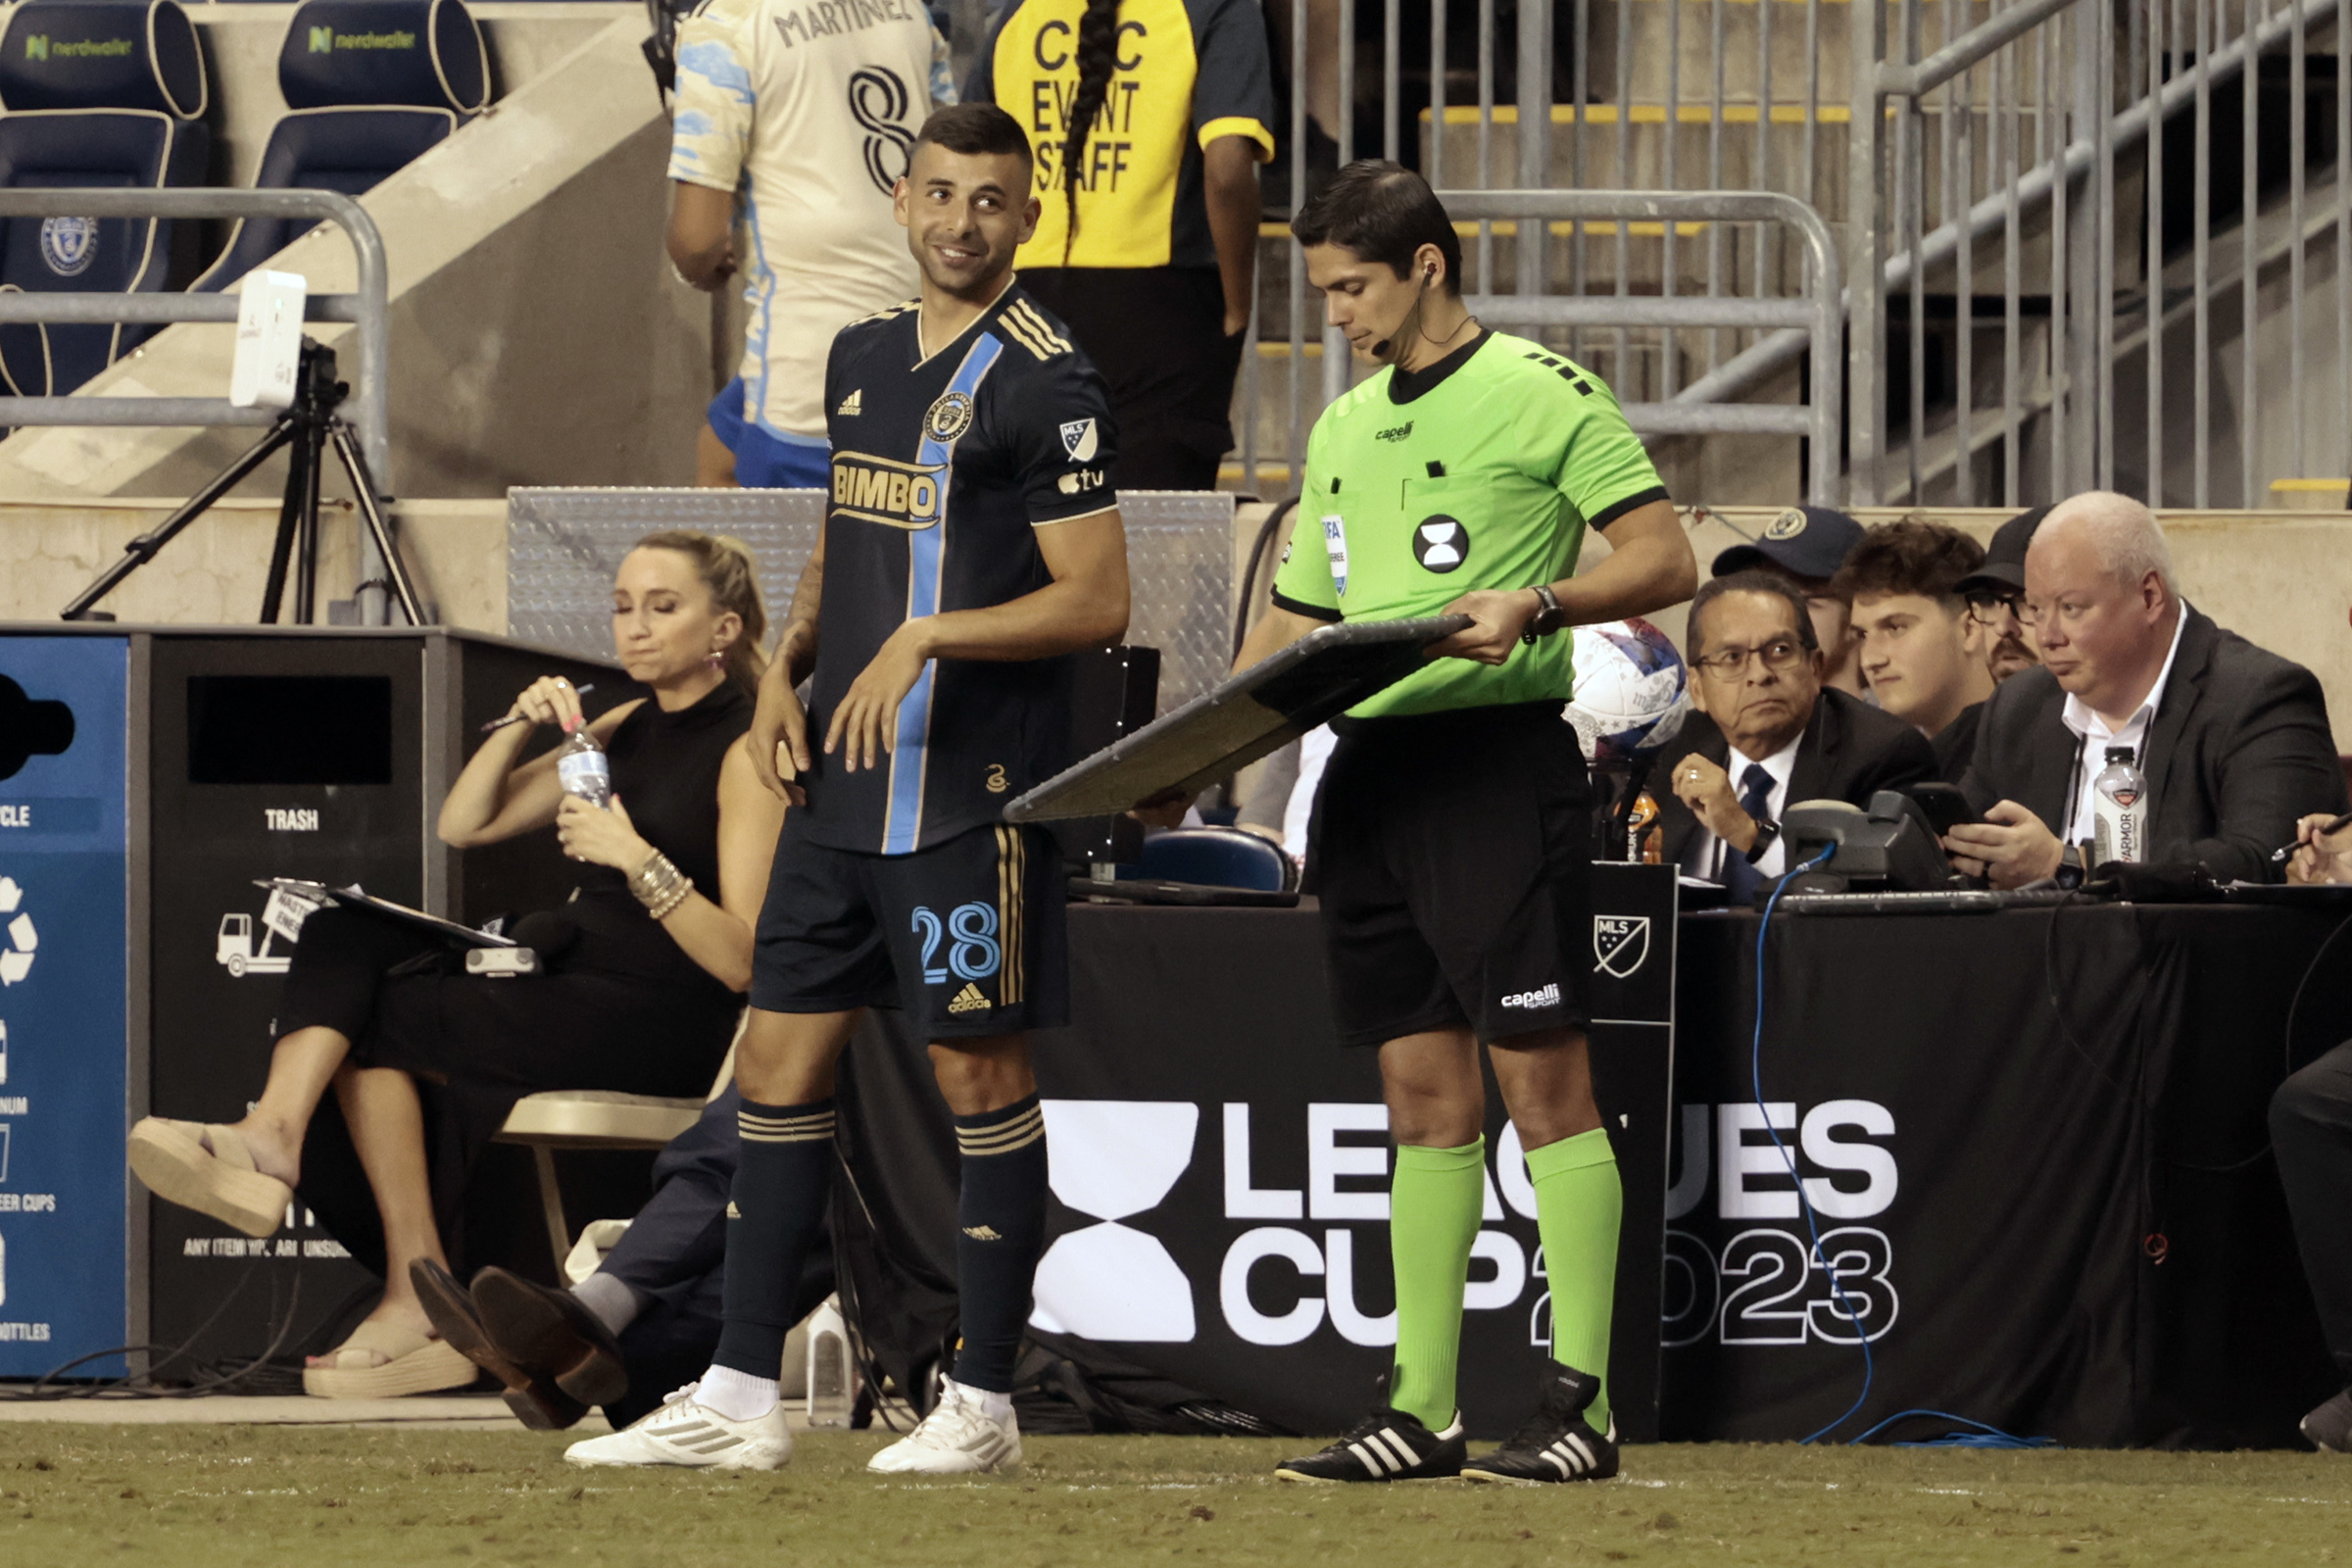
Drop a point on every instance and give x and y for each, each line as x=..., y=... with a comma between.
x=1632, y=690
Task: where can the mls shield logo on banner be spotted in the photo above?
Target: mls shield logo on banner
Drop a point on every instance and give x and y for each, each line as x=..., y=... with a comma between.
x=1620, y=944
x=1112, y=1159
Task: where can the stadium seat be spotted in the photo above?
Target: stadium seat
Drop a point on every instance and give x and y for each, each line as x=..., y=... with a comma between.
x=598, y=1118
x=94, y=93
x=369, y=86
x=1214, y=857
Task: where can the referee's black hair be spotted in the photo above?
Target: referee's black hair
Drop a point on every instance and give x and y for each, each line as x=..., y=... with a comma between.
x=979, y=129
x=1097, y=54
x=1383, y=211
x=1752, y=581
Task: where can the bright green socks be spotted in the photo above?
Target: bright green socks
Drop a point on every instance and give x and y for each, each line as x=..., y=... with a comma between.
x=1433, y=1206
x=1578, y=1202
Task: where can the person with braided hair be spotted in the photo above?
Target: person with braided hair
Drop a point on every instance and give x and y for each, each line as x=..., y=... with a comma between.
x=1149, y=118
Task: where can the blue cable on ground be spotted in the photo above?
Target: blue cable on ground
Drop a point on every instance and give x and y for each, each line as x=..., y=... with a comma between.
x=1985, y=1437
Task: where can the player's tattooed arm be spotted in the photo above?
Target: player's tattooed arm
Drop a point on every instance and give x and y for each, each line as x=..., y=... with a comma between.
x=777, y=743
x=1085, y=605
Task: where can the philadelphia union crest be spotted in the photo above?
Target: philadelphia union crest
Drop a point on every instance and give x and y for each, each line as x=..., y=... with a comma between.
x=69, y=245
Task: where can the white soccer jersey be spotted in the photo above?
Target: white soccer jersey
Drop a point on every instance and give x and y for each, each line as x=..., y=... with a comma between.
x=810, y=109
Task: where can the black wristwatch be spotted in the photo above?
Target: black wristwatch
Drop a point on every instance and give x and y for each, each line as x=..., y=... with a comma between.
x=1767, y=835
x=1548, y=616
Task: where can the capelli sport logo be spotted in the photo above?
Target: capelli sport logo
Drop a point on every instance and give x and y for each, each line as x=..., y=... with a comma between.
x=884, y=490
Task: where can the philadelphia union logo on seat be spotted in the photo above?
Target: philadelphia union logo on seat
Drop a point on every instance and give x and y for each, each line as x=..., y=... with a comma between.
x=1440, y=543
x=69, y=245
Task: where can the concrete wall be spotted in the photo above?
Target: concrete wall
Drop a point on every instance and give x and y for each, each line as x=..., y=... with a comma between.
x=537, y=335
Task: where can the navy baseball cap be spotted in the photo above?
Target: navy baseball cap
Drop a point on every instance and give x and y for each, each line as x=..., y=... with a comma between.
x=2004, y=568
x=1808, y=542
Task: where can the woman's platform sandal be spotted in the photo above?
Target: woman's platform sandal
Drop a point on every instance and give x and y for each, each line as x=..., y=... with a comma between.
x=411, y=1364
x=174, y=1162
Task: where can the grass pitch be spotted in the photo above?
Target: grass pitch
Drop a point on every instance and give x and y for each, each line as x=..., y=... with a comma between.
x=259, y=1497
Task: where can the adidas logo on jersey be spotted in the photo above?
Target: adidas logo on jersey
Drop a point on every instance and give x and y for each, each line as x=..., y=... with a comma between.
x=969, y=1000
x=852, y=404
x=1547, y=996
x=983, y=1233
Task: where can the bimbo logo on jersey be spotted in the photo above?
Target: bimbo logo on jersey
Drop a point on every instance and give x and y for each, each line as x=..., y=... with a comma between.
x=901, y=495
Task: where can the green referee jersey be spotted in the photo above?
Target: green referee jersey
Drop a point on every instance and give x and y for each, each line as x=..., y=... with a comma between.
x=1481, y=472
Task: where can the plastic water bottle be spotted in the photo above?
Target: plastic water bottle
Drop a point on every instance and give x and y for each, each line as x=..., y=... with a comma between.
x=2119, y=809
x=832, y=1371
x=583, y=767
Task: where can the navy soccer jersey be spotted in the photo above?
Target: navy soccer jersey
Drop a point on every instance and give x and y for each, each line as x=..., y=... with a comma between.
x=942, y=469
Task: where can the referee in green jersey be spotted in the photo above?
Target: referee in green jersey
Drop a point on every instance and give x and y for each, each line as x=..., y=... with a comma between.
x=1453, y=831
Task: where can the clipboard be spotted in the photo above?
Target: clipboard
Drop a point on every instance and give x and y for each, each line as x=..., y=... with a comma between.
x=292, y=898
x=1257, y=711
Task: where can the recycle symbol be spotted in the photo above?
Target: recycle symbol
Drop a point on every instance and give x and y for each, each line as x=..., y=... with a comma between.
x=16, y=958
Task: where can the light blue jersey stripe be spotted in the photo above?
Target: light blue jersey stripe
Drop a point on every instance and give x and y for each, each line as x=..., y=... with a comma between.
x=926, y=555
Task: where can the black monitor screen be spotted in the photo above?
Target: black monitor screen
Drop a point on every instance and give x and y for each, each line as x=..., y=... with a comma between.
x=289, y=729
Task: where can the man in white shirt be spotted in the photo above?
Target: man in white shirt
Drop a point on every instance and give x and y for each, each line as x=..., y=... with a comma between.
x=1767, y=732
x=2234, y=741
x=803, y=113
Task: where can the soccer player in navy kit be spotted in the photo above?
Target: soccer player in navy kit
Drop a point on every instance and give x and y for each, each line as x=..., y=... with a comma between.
x=972, y=540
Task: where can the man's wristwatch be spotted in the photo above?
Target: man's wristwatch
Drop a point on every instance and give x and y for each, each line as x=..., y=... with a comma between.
x=1767, y=835
x=1548, y=616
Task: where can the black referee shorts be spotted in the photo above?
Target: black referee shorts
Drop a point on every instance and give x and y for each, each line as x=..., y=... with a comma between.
x=965, y=938
x=1454, y=851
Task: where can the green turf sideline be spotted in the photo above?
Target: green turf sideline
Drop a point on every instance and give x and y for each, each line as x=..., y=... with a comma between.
x=261, y=1496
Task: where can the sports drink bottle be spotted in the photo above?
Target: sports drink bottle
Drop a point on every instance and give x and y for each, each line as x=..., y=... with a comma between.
x=2119, y=810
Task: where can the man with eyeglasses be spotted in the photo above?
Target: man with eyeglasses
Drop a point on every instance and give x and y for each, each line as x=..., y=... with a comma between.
x=1923, y=652
x=1995, y=593
x=2233, y=740
x=1767, y=732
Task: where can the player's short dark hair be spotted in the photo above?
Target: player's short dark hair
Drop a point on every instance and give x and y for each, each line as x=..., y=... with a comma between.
x=1384, y=213
x=1909, y=556
x=977, y=131
x=1747, y=582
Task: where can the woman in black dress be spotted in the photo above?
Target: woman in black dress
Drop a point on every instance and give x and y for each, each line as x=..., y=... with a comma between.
x=654, y=952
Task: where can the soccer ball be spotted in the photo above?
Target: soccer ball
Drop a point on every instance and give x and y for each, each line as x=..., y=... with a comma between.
x=1632, y=690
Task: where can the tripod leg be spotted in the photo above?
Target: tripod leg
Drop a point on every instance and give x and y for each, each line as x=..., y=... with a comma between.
x=306, y=566
x=363, y=488
x=289, y=529
x=145, y=547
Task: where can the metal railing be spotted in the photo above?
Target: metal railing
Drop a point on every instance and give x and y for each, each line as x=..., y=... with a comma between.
x=1819, y=317
x=2042, y=130
x=366, y=308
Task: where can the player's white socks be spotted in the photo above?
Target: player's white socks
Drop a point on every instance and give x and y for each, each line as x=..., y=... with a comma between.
x=737, y=1395
x=995, y=1406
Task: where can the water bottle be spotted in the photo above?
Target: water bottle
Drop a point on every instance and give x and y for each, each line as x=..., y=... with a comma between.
x=2119, y=810
x=583, y=767
x=832, y=1371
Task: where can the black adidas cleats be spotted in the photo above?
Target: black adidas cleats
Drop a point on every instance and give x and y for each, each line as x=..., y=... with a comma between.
x=1386, y=1445
x=1556, y=1443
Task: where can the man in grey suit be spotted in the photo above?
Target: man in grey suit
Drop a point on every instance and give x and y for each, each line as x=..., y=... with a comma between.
x=2234, y=741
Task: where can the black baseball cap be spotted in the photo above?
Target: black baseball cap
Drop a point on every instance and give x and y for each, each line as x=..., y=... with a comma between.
x=2004, y=568
x=1807, y=542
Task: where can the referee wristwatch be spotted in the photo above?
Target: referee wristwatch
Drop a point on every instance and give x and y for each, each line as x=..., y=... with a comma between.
x=1548, y=616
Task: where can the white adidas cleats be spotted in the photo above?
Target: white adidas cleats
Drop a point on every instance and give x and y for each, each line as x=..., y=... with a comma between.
x=958, y=1438
x=692, y=1435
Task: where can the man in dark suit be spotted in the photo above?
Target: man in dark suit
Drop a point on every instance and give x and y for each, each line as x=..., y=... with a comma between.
x=1767, y=732
x=2234, y=741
